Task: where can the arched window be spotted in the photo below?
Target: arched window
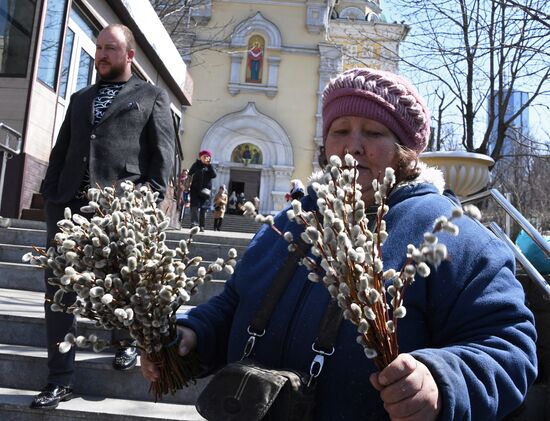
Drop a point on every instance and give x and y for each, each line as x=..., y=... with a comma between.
x=255, y=59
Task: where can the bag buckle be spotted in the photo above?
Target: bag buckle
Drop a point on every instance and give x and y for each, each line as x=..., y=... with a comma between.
x=251, y=341
x=315, y=368
x=321, y=352
x=317, y=363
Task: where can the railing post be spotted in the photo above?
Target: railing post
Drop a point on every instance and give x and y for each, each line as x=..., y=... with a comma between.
x=507, y=218
x=8, y=149
x=514, y=214
x=2, y=175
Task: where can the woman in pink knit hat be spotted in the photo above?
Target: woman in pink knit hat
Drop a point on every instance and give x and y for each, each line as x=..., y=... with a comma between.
x=467, y=343
x=202, y=173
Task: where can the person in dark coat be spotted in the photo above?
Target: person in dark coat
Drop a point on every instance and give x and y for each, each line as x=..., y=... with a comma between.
x=119, y=128
x=200, y=192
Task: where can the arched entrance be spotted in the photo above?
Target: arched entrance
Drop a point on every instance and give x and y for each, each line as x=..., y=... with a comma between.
x=245, y=180
x=253, y=153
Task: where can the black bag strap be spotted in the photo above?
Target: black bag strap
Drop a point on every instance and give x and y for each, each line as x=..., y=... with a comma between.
x=324, y=344
x=328, y=329
x=276, y=289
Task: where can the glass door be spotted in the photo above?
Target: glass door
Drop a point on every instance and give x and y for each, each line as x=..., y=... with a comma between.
x=77, y=68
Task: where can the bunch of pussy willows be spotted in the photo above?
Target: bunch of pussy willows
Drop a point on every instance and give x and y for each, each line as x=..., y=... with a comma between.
x=347, y=251
x=124, y=276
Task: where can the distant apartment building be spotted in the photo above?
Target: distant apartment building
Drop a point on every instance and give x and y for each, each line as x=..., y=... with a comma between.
x=46, y=54
x=520, y=124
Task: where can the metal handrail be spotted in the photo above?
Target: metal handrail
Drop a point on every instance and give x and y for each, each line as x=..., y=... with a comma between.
x=532, y=272
x=515, y=214
x=8, y=150
x=5, y=146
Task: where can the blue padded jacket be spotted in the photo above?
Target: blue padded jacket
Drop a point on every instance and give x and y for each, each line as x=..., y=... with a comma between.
x=467, y=321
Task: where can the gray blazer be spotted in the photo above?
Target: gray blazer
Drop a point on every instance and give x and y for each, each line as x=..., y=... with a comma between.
x=134, y=140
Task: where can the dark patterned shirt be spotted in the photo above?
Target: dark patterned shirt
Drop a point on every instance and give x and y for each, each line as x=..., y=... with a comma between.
x=105, y=95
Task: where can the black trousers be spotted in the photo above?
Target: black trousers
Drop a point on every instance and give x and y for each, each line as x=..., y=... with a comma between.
x=198, y=214
x=58, y=324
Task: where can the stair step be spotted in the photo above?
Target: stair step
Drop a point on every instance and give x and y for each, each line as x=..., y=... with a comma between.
x=24, y=367
x=13, y=253
x=33, y=214
x=22, y=223
x=22, y=319
x=23, y=236
x=238, y=223
x=14, y=406
x=37, y=201
x=22, y=276
x=209, y=252
x=232, y=238
x=231, y=223
x=37, y=236
x=28, y=277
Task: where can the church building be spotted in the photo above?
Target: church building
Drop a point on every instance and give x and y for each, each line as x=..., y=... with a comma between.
x=259, y=69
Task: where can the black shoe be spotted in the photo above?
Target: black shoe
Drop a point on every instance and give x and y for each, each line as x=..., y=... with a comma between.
x=125, y=358
x=50, y=396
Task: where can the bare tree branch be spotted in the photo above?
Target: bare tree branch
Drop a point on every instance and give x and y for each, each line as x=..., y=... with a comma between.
x=481, y=52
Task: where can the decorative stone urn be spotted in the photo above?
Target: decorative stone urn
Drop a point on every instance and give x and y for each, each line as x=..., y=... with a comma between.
x=465, y=172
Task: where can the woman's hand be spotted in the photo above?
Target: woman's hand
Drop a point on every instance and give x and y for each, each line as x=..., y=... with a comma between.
x=408, y=390
x=150, y=369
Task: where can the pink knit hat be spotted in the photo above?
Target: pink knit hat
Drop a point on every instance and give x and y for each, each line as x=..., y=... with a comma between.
x=205, y=152
x=381, y=96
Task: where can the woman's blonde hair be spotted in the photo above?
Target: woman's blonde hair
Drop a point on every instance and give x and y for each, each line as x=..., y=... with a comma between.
x=407, y=164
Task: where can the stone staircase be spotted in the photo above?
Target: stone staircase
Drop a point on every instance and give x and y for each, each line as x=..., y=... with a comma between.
x=102, y=393
x=231, y=223
x=105, y=394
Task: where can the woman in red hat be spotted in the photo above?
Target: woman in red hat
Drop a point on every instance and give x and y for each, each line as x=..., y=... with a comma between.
x=202, y=172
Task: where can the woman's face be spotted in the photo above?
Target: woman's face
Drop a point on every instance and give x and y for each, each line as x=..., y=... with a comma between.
x=205, y=159
x=372, y=144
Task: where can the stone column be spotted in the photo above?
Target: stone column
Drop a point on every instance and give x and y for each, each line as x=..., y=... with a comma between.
x=222, y=177
x=235, y=76
x=330, y=64
x=273, y=73
x=281, y=186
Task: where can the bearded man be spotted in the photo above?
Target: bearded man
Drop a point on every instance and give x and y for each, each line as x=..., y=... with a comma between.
x=119, y=128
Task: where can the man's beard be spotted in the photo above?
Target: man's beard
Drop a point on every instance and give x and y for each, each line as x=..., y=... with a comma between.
x=114, y=73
